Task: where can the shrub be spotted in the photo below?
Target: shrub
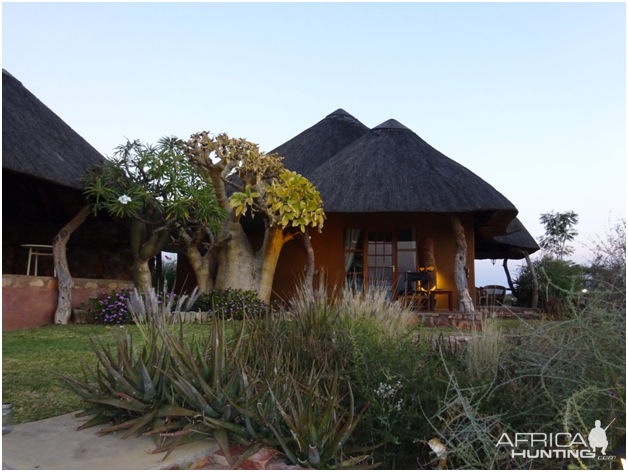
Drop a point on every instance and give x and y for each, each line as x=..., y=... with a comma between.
x=559, y=281
x=552, y=377
x=112, y=308
x=231, y=303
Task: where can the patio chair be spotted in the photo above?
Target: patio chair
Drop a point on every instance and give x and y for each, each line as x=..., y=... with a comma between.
x=495, y=294
x=480, y=296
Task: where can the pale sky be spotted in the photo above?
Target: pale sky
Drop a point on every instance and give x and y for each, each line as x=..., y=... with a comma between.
x=529, y=96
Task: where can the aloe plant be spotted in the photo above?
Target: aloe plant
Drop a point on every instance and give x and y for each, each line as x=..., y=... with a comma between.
x=317, y=424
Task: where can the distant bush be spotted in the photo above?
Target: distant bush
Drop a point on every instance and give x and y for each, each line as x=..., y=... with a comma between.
x=558, y=281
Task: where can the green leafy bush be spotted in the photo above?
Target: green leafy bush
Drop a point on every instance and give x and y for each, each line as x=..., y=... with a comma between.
x=231, y=303
x=552, y=377
x=559, y=281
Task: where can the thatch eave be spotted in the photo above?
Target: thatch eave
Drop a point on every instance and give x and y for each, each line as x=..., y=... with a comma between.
x=391, y=169
x=37, y=143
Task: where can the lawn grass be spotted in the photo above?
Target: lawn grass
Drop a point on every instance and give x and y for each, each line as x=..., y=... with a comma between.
x=31, y=358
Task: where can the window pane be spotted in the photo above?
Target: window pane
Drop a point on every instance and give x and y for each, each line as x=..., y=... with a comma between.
x=406, y=245
x=406, y=260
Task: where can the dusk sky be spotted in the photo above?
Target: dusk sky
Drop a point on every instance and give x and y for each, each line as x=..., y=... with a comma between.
x=529, y=96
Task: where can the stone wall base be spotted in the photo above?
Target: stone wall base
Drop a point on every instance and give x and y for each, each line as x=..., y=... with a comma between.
x=30, y=301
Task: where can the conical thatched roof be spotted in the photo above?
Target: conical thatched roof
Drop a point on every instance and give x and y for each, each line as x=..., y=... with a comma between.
x=309, y=149
x=38, y=143
x=391, y=169
x=507, y=246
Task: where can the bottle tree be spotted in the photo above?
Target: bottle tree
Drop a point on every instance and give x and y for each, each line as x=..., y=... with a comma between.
x=245, y=179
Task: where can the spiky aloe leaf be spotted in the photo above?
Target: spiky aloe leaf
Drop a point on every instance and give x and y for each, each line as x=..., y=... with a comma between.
x=149, y=387
x=162, y=427
x=221, y=438
x=101, y=418
x=282, y=441
x=175, y=411
x=142, y=422
x=118, y=427
x=191, y=394
x=119, y=403
x=82, y=389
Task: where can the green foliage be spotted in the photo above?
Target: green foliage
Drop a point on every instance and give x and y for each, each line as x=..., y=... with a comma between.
x=607, y=271
x=154, y=183
x=553, y=377
x=560, y=284
x=284, y=198
x=159, y=190
x=295, y=202
x=559, y=231
x=231, y=303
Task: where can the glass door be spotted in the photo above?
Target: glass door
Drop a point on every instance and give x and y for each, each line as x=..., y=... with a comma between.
x=381, y=264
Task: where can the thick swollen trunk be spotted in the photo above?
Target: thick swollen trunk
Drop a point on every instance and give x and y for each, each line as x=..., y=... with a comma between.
x=267, y=258
x=465, y=303
x=240, y=268
x=237, y=265
x=64, y=278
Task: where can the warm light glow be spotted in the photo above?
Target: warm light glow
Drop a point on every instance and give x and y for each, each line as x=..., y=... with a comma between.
x=624, y=463
x=584, y=290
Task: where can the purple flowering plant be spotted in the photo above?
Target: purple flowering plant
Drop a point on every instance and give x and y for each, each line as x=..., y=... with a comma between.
x=113, y=309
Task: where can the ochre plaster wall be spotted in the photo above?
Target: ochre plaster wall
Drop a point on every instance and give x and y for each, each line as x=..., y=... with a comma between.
x=329, y=249
x=29, y=301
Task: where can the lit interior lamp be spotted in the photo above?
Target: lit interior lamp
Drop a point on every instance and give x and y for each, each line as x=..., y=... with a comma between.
x=584, y=290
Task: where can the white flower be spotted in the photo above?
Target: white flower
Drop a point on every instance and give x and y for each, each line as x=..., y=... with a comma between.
x=124, y=199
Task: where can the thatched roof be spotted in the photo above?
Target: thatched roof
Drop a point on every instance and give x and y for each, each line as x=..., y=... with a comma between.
x=311, y=148
x=36, y=142
x=391, y=169
x=508, y=246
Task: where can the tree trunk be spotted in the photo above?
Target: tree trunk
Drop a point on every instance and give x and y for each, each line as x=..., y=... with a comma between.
x=510, y=284
x=465, y=303
x=535, y=281
x=142, y=253
x=309, y=268
x=201, y=267
x=64, y=278
x=237, y=265
x=267, y=258
x=141, y=275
